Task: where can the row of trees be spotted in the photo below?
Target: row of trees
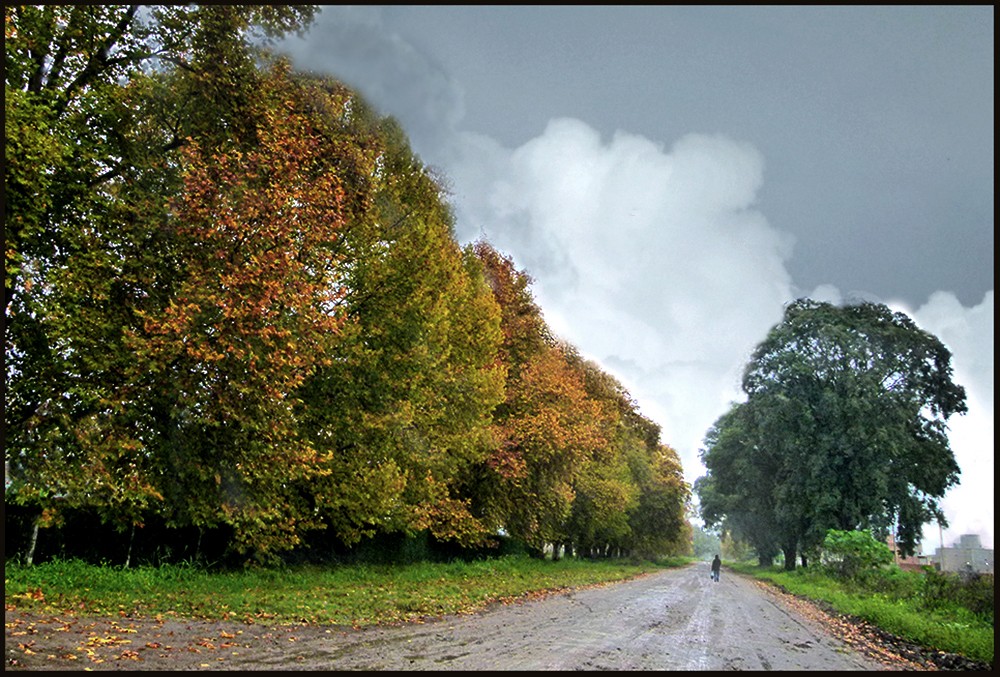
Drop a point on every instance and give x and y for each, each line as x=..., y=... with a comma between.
x=233, y=300
x=844, y=427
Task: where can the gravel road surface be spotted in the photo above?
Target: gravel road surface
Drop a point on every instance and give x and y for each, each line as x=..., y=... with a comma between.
x=676, y=619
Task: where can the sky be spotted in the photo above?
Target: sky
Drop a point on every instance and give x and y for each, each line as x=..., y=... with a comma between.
x=671, y=176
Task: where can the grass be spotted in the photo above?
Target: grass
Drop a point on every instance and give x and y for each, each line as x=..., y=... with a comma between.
x=900, y=611
x=355, y=595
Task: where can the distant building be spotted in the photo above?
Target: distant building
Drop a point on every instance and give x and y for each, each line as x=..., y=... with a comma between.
x=909, y=563
x=967, y=554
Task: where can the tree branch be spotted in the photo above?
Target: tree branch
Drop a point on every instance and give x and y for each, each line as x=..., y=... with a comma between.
x=99, y=60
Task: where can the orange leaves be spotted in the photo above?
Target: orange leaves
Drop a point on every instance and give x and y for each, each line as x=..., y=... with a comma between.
x=252, y=307
x=507, y=461
x=449, y=519
x=553, y=415
x=35, y=595
x=575, y=462
x=258, y=307
x=109, y=640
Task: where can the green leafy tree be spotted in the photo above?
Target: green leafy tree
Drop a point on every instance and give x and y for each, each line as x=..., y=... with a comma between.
x=659, y=523
x=737, y=495
x=735, y=549
x=846, y=418
x=705, y=543
x=605, y=492
x=631, y=497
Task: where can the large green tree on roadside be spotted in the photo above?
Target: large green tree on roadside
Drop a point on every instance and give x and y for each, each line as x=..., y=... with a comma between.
x=738, y=494
x=846, y=415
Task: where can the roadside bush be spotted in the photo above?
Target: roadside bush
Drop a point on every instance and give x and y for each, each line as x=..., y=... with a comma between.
x=944, y=590
x=891, y=581
x=932, y=616
x=846, y=554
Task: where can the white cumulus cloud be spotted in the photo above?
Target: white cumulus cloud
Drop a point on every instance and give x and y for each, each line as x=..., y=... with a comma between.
x=653, y=261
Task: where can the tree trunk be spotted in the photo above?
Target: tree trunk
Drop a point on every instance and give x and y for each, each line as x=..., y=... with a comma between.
x=789, y=557
x=34, y=539
x=131, y=540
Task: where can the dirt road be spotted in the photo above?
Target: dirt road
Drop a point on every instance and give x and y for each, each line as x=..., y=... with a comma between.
x=672, y=620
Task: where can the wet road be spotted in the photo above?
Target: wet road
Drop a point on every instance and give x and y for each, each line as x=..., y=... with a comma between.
x=672, y=620
x=677, y=619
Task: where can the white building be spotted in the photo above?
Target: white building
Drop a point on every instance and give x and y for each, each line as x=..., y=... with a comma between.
x=967, y=554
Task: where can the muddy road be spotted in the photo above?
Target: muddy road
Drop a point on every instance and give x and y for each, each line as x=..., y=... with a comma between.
x=671, y=620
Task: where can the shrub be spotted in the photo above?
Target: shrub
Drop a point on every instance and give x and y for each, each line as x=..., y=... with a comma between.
x=943, y=590
x=847, y=554
x=891, y=581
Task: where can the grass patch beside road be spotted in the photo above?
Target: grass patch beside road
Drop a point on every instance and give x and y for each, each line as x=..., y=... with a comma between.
x=897, y=602
x=355, y=595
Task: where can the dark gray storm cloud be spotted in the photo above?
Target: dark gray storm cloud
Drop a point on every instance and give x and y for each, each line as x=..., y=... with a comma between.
x=876, y=122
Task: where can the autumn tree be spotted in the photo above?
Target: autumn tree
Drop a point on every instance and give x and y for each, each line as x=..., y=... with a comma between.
x=256, y=311
x=191, y=281
x=524, y=486
x=404, y=406
x=524, y=331
x=631, y=496
x=606, y=493
x=93, y=128
x=846, y=421
x=553, y=430
x=234, y=302
x=575, y=464
x=73, y=122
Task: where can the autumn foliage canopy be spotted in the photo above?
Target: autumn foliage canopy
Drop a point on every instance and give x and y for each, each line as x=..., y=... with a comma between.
x=234, y=305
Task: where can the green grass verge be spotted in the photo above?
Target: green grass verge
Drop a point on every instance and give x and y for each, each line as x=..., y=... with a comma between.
x=953, y=629
x=355, y=595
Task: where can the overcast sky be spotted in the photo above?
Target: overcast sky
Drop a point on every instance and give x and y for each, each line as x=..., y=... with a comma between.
x=670, y=177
